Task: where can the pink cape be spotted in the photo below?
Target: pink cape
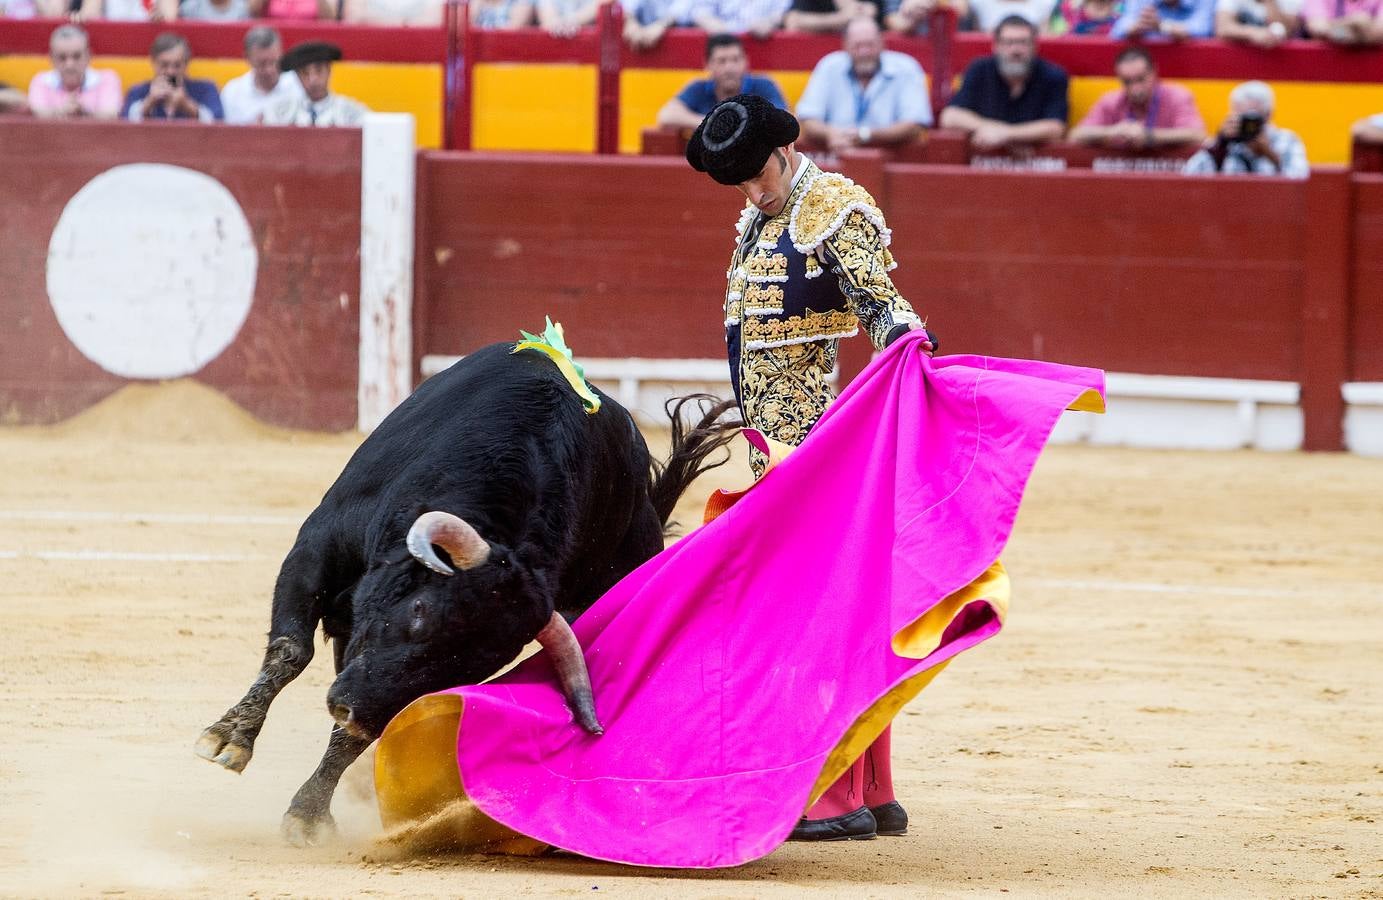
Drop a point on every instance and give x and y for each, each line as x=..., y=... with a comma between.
x=727, y=668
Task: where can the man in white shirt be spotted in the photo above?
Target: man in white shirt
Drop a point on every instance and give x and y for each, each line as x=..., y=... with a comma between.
x=864, y=95
x=246, y=97
x=312, y=60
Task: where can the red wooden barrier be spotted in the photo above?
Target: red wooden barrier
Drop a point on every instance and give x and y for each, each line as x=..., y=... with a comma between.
x=1366, y=274
x=1153, y=274
x=294, y=361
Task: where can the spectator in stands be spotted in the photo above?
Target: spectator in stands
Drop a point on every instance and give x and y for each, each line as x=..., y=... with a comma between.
x=72, y=89
x=1146, y=113
x=987, y=14
x=501, y=14
x=1248, y=143
x=311, y=62
x=294, y=10
x=1087, y=17
x=727, y=66
x=246, y=97
x=914, y=16
x=757, y=17
x=215, y=10
x=646, y=21
x=564, y=18
x=1011, y=97
x=392, y=12
x=1347, y=22
x=827, y=16
x=1263, y=23
x=171, y=94
x=127, y=10
x=1174, y=19
x=1370, y=130
x=864, y=95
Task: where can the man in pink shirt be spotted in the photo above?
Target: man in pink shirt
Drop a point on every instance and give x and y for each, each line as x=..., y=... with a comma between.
x=72, y=88
x=1145, y=113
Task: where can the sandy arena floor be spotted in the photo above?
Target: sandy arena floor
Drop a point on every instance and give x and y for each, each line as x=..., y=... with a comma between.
x=1187, y=700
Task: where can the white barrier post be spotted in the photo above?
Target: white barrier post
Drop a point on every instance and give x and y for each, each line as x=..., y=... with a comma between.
x=386, y=265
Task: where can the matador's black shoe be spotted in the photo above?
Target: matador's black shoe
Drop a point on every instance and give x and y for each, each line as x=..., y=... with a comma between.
x=852, y=826
x=890, y=819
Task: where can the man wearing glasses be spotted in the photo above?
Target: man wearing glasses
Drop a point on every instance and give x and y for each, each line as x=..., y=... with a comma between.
x=1012, y=97
x=1145, y=113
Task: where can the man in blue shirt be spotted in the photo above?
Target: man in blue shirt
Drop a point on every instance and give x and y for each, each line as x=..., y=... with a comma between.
x=728, y=68
x=1175, y=19
x=865, y=95
x=171, y=94
x=1012, y=97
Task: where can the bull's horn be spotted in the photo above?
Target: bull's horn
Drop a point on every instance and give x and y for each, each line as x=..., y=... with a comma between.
x=557, y=639
x=463, y=544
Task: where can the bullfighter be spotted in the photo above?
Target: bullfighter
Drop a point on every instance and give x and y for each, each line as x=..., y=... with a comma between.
x=783, y=324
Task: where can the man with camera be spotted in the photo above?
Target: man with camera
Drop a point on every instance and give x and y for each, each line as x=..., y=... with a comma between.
x=1248, y=143
x=170, y=94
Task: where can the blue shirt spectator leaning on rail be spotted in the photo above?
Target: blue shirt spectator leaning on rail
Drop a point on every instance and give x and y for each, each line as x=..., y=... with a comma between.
x=1248, y=143
x=501, y=15
x=864, y=95
x=245, y=98
x=727, y=66
x=1176, y=20
x=757, y=17
x=170, y=94
x=646, y=21
x=1013, y=96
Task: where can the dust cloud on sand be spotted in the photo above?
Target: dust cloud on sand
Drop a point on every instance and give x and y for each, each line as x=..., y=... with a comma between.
x=1186, y=700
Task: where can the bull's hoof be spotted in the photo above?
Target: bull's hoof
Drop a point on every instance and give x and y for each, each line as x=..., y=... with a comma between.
x=221, y=748
x=302, y=830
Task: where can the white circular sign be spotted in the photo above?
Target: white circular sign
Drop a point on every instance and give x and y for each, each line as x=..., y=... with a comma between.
x=151, y=270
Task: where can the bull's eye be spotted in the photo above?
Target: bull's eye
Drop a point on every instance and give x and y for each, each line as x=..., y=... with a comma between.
x=496, y=594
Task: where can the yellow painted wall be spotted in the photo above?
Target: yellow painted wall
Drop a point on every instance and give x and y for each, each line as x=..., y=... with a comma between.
x=384, y=87
x=534, y=107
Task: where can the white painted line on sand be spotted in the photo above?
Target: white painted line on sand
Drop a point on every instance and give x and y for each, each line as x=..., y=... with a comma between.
x=121, y=556
x=61, y=515
x=1150, y=587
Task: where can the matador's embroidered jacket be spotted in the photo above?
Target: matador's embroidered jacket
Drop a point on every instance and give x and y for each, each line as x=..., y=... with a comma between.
x=784, y=317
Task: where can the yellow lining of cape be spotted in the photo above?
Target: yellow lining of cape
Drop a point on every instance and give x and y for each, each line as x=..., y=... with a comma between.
x=917, y=640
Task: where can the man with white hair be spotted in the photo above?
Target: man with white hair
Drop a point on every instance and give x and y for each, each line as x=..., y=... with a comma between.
x=864, y=95
x=72, y=89
x=1248, y=143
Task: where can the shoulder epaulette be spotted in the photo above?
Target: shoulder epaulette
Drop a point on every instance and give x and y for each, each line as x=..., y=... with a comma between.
x=824, y=206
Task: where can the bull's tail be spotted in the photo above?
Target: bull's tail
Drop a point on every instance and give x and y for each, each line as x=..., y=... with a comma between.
x=691, y=449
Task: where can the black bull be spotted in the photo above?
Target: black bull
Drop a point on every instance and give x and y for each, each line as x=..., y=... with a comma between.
x=483, y=513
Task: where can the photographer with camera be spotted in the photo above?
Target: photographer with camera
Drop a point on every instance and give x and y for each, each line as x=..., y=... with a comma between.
x=1248, y=143
x=170, y=94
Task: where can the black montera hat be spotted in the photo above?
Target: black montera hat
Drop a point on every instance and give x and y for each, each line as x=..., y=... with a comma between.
x=736, y=138
x=309, y=52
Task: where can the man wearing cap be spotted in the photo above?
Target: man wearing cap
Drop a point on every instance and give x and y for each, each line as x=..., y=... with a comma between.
x=311, y=61
x=810, y=265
